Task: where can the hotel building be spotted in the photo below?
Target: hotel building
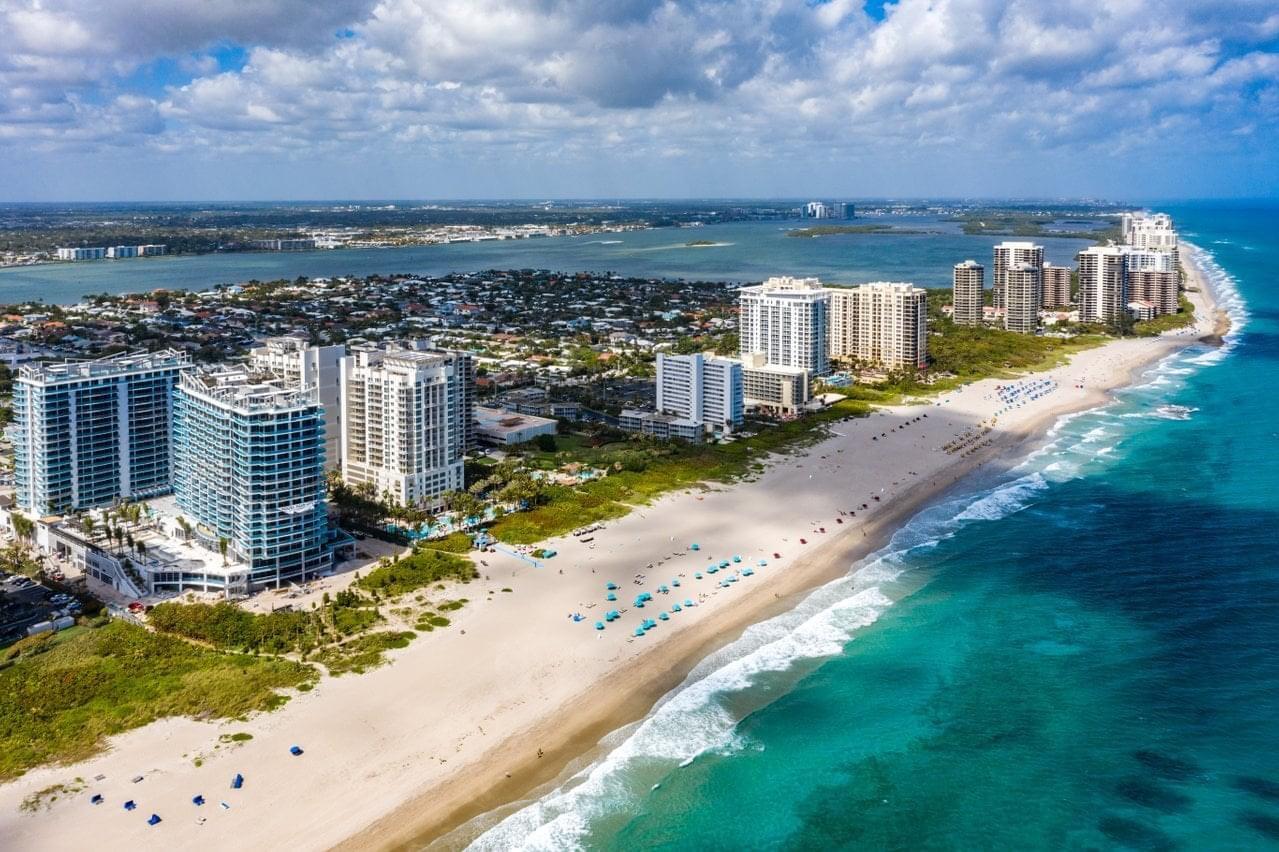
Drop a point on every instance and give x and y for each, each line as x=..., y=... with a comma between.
x=1022, y=296
x=1055, y=281
x=786, y=319
x=89, y=433
x=701, y=389
x=1007, y=255
x=407, y=418
x=1103, y=284
x=294, y=361
x=884, y=324
x=781, y=390
x=248, y=462
x=968, y=294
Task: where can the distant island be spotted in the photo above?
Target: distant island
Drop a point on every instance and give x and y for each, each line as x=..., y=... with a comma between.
x=831, y=230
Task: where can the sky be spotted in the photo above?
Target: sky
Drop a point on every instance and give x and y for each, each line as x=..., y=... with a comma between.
x=105, y=100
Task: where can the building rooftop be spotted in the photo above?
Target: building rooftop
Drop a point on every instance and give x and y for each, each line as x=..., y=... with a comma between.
x=103, y=367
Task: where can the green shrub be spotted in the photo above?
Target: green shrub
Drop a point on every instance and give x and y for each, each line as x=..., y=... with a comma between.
x=418, y=569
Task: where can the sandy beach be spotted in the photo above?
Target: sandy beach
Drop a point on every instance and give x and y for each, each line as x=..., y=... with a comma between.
x=478, y=715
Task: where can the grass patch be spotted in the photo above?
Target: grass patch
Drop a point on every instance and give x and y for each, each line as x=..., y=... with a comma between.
x=452, y=606
x=240, y=737
x=61, y=702
x=455, y=542
x=429, y=622
x=363, y=652
x=420, y=568
x=43, y=799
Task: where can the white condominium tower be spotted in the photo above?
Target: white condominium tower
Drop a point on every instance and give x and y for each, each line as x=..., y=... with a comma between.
x=1022, y=296
x=1103, y=284
x=1056, y=285
x=1007, y=254
x=885, y=324
x=785, y=318
x=701, y=389
x=967, y=296
x=248, y=469
x=296, y=362
x=88, y=433
x=406, y=420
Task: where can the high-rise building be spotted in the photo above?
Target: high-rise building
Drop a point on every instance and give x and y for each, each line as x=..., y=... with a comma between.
x=1022, y=297
x=406, y=420
x=248, y=461
x=1159, y=288
x=700, y=388
x=1153, y=233
x=295, y=361
x=786, y=319
x=1056, y=285
x=968, y=293
x=884, y=324
x=1007, y=254
x=1103, y=284
x=88, y=433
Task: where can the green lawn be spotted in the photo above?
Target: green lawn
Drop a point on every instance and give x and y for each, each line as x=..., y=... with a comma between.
x=60, y=700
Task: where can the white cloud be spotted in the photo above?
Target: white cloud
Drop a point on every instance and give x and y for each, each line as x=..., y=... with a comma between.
x=634, y=79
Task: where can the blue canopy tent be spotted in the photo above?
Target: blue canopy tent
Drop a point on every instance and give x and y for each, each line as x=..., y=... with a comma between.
x=197, y=800
x=97, y=799
x=295, y=750
x=237, y=782
x=130, y=805
x=154, y=819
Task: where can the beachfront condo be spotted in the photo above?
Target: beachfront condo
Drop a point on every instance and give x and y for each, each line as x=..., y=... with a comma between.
x=248, y=463
x=773, y=388
x=295, y=361
x=701, y=389
x=407, y=419
x=1103, y=284
x=881, y=324
x=1022, y=298
x=1007, y=254
x=967, y=294
x=89, y=433
x=786, y=319
x=1055, y=281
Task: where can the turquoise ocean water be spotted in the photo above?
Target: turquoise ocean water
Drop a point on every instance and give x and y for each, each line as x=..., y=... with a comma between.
x=1082, y=654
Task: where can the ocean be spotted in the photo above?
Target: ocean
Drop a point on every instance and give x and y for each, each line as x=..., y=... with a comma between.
x=1082, y=653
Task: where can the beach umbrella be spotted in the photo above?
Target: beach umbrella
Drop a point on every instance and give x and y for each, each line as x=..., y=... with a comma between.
x=639, y=631
x=747, y=572
x=676, y=608
x=675, y=583
x=688, y=602
x=697, y=575
x=610, y=586
x=664, y=617
x=237, y=782
x=599, y=625
x=154, y=820
x=295, y=750
x=130, y=805
x=694, y=546
x=610, y=597
x=97, y=799
x=198, y=800
x=737, y=559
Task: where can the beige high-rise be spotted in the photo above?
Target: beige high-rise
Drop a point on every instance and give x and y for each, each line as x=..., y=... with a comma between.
x=883, y=324
x=1022, y=295
x=1056, y=285
x=969, y=283
x=1008, y=254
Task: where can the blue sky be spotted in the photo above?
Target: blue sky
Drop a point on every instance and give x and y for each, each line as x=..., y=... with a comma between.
x=265, y=99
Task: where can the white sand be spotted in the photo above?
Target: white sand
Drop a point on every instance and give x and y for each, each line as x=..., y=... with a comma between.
x=431, y=738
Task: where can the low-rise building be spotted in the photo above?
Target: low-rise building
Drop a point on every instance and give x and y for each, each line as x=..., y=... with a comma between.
x=774, y=388
x=663, y=426
x=505, y=428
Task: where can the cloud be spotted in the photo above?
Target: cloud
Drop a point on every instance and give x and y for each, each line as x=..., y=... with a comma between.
x=642, y=81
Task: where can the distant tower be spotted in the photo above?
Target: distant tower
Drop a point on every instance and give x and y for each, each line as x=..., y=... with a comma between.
x=1006, y=255
x=1022, y=296
x=970, y=281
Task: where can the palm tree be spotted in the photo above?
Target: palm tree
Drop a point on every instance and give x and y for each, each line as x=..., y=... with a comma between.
x=222, y=546
x=87, y=525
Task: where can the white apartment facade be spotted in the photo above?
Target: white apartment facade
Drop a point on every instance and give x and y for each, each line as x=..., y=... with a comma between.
x=1008, y=254
x=1103, y=284
x=1022, y=297
x=702, y=389
x=301, y=365
x=786, y=319
x=882, y=323
x=406, y=421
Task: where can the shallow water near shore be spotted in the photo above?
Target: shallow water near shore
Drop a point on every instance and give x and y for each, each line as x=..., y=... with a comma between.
x=1082, y=654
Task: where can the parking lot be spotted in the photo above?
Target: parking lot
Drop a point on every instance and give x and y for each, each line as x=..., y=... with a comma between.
x=24, y=603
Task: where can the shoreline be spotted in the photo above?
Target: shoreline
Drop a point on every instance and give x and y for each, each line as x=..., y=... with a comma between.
x=478, y=717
